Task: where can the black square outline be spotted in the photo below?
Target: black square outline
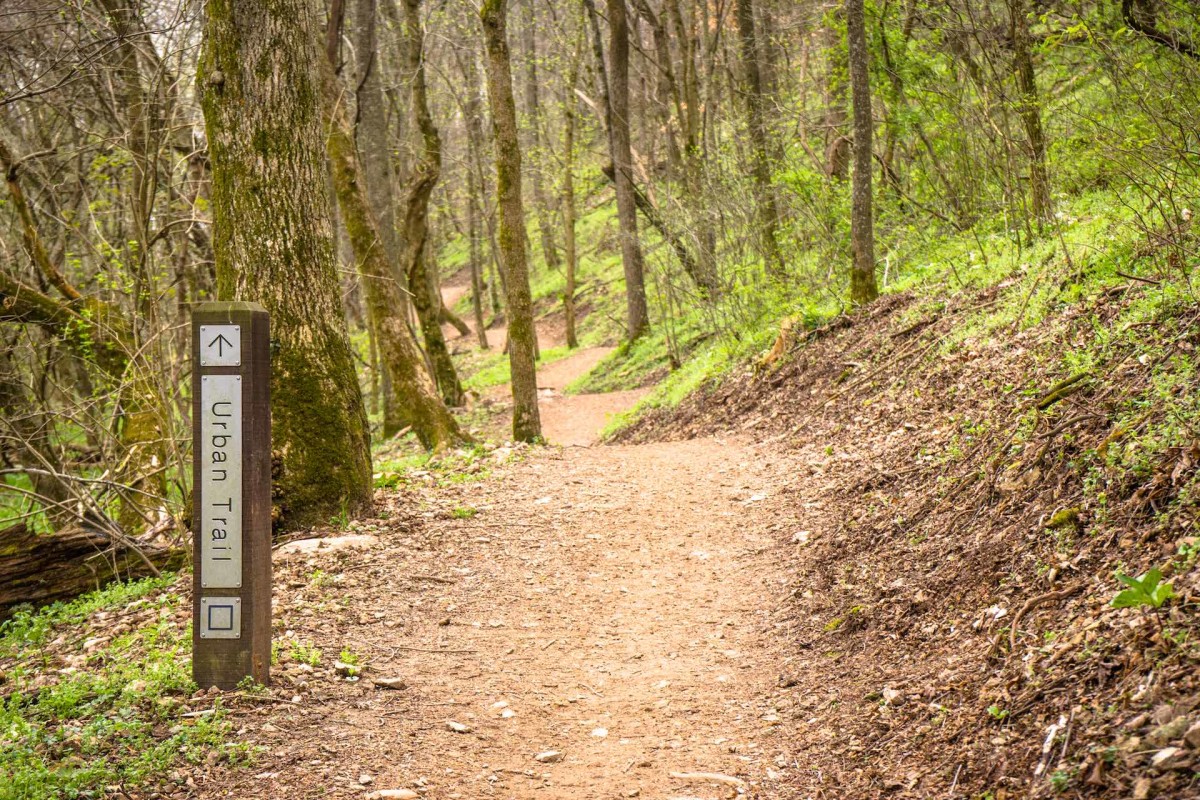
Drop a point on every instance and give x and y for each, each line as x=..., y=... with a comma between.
x=212, y=608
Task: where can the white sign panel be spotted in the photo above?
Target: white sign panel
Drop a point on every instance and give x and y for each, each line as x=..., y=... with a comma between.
x=220, y=345
x=221, y=481
x=220, y=618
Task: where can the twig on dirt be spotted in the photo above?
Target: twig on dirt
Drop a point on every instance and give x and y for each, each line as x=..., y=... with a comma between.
x=549, y=644
x=1033, y=603
x=431, y=650
x=954, y=785
x=434, y=578
x=1062, y=389
x=1048, y=745
x=1150, y=281
x=1067, y=737
x=713, y=777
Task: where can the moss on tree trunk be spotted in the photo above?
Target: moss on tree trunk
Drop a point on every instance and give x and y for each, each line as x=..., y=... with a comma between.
x=417, y=402
x=527, y=424
x=273, y=241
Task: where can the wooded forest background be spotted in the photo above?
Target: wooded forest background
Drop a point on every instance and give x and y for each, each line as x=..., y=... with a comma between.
x=762, y=159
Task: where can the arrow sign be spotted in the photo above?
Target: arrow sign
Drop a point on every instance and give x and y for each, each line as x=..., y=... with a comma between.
x=221, y=342
x=220, y=345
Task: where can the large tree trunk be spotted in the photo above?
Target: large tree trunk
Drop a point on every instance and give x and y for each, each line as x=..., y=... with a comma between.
x=522, y=345
x=43, y=568
x=423, y=176
x=637, y=317
x=766, y=206
x=862, y=233
x=261, y=95
x=419, y=405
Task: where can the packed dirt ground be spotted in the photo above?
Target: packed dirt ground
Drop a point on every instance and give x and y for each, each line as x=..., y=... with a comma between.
x=587, y=621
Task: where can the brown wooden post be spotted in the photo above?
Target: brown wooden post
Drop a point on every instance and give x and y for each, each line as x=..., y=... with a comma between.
x=231, y=496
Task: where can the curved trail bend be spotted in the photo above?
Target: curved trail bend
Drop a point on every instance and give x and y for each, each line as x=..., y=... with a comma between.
x=613, y=604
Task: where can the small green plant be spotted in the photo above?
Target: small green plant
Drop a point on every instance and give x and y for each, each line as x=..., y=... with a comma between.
x=464, y=512
x=248, y=685
x=997, y=713
x=342, y=520
x=305, y=653
x=1189, y=552
x=348, y=656
x=1060, y=780
x=1148, y=591
x=319, y=577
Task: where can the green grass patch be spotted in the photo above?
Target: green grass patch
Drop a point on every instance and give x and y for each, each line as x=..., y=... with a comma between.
x=111, y=715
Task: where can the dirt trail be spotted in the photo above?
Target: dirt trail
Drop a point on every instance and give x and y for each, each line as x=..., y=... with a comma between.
x=569, y=420
x=614, y=606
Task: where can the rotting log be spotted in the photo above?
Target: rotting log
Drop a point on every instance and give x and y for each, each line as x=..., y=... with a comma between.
x=41, y=568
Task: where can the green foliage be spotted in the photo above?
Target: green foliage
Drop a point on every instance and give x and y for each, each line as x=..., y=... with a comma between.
x=29, y=628
x=114, y=717
x=305, y=653
x=997, y=713
x=464, y=513
x=348, y=656
x=1147, y=591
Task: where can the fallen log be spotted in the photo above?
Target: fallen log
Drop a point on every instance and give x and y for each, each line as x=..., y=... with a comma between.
x=41, y=568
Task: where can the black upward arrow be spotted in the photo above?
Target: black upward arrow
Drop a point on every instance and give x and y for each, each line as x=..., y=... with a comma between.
x=221, y=342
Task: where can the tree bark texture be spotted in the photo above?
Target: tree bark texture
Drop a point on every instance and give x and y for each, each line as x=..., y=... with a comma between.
x=418, y=405
x=533, y=113
x=261, y=95
x=1030, y=109
x=765, y=204
x=637, y=316
x=38, y=569
x=522, y=346
x=423, y=176
x=862, y=234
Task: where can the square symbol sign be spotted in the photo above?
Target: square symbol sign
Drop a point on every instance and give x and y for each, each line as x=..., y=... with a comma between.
x=220, y=345
x=220, y=617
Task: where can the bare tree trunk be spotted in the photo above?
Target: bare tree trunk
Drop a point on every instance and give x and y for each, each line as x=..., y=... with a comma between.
x=862, y=235
x=423, y=177
x=527, y=426
x=568, y=191
x=533, y=112
x=371, y=130
x=1030, y=109
x=476, y=268
x=420, y=406
x=617, y=113
x=765, y=203
x=264, y=134
x=837, y=143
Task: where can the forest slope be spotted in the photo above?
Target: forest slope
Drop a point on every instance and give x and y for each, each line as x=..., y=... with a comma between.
x=976, y=470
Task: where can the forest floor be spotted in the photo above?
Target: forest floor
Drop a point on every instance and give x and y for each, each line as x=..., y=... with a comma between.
x=585, y=622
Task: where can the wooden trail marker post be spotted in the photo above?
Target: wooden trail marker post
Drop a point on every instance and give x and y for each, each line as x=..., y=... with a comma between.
x=231, y=494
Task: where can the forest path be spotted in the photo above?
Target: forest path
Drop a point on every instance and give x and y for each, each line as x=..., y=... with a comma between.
x=567, y=419
x=584, y=622
x=611, y=604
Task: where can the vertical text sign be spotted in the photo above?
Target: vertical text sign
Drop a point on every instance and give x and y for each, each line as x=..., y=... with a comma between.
x=221, y=480
x=231, y=494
